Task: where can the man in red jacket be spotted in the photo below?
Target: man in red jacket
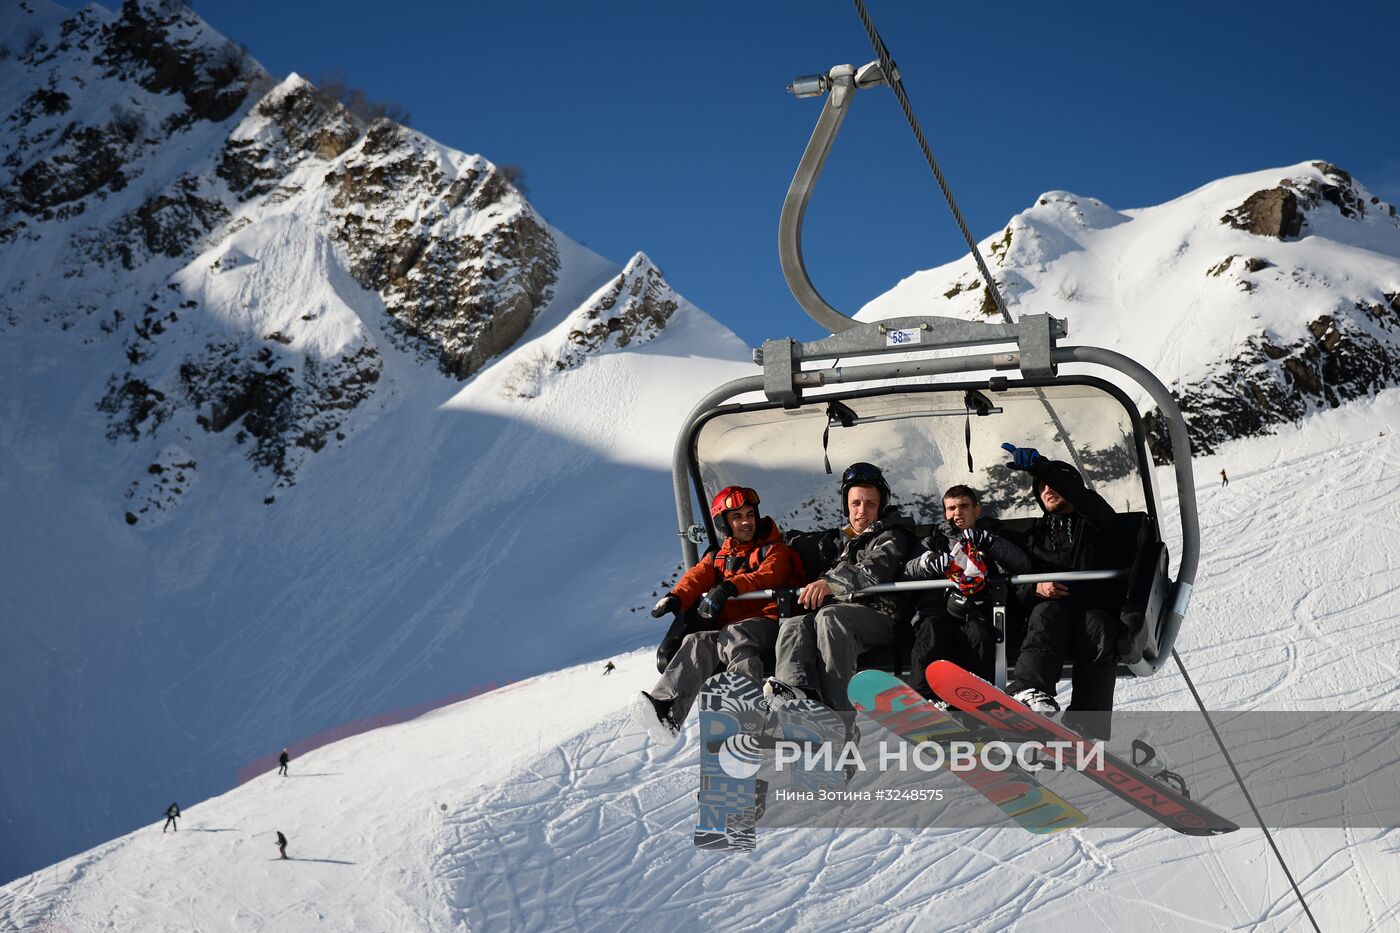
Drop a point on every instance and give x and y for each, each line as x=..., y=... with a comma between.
x=752, y=557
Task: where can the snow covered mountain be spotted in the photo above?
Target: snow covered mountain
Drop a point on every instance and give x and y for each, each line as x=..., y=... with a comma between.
x=1257, y=298
x=310, y=421
x=267, y=479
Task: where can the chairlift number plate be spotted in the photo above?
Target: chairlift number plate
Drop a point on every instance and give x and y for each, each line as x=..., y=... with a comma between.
x=901, y=338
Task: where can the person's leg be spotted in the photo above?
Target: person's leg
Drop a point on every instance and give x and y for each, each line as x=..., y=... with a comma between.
x=977, y=647
x=1044, y=648
x=1095, y=674
x=693, y=663
x=796, y=663
x=747, y=646
x=842, y=633
x=935, y=639
x=924, y=653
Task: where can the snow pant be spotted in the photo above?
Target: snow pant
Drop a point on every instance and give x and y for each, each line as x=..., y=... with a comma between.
x=1057, y=631
x=818, y=651
x=282, y=770
x=969, y=643
x=685, y=623
x=169, y=822
x=742, y=648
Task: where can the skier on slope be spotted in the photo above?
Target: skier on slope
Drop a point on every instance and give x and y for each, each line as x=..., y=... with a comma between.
x=956, y=625
x=281, y=843
x=817, y=651
x=1079, y=621
x=282, y=761
x=752, y=557
x=172, y=813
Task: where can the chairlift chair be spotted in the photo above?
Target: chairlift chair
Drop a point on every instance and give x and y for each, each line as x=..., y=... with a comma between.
x=930, y=399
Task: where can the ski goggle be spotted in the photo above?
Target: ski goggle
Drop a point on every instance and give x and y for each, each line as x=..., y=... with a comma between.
x=733, y=497
x=862, y=472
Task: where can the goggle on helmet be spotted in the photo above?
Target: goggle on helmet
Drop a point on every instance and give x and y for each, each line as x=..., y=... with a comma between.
x=727, y=500
x=864, y=474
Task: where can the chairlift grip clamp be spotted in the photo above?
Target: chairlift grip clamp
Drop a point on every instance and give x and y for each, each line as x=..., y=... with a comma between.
x=776, y=357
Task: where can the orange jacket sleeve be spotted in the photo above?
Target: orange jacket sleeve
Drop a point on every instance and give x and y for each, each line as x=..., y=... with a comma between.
x=696, y=582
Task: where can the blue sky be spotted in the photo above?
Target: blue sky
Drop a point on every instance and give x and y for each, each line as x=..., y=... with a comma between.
x=665, y=127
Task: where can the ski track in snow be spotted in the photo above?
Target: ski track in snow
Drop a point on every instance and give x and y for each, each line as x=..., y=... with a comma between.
x=561, y=814
x=1283, y=604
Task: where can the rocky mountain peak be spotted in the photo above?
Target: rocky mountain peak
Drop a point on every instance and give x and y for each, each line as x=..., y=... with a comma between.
x=250, y=249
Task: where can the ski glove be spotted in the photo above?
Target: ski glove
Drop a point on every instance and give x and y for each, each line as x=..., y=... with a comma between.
x=936, y=564
x=977, y=537
x=715, y=599
x=1022, y=458
x=667, y=603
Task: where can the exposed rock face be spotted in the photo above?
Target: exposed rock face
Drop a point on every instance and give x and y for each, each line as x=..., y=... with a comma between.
x=1281, y=212
x=633, y=310
x=450, y=250
x=1340, y=359
x=456, y=294
x=1274, y=213
x=303, y=124
x=148, y=44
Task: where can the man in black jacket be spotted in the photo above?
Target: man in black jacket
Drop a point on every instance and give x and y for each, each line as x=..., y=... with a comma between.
x=1078, y=621
x=956, y=625
x=817, y=651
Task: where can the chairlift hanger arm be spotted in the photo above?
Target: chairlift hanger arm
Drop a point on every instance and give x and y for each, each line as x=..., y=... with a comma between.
x=842, y=81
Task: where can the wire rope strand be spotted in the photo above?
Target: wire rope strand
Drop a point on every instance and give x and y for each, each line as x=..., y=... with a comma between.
x=896, y=84
x=1239, y=779
x=892, y=76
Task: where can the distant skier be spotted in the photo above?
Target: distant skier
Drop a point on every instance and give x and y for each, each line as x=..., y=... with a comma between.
x=282, y=762
x=172, y=813
x=281, y=843
x=1224, y=480
x=609, y=668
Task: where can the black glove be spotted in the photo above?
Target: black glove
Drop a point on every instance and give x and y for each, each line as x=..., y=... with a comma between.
x=668, y=603
x=715, y=599
x=936, y=563
x=977, y=537
x=1022, y=458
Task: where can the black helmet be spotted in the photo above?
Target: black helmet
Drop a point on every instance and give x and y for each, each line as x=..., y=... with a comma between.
x=864, y=474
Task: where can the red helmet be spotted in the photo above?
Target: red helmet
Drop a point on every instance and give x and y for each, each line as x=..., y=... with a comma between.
x=728, y=499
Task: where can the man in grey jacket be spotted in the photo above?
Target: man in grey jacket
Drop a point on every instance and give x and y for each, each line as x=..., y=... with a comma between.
x=817, y=651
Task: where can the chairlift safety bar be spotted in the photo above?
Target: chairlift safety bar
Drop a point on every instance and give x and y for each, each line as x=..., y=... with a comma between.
x=904, y=586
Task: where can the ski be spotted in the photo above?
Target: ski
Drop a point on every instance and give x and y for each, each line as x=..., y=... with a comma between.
x=1013, y=720
x=893, y=704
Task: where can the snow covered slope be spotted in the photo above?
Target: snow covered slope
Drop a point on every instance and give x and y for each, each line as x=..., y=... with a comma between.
x=250, y=494
x=540, y=806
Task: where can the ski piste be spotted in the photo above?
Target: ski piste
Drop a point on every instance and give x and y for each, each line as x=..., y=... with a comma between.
x=893, y=704
x=974, y=695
